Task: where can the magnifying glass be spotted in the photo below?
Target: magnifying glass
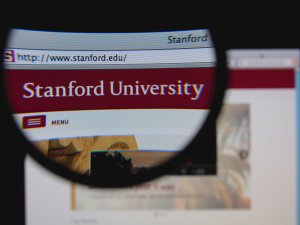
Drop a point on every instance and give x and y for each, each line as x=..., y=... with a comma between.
x=110, y=105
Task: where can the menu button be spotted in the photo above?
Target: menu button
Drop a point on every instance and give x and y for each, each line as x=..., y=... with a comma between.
x=59, y=122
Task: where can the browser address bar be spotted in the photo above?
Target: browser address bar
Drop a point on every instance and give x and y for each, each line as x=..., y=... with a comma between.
x=30, y=56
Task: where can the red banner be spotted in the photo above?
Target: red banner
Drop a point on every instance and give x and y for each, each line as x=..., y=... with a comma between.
x=65, y=90
x=262, y=78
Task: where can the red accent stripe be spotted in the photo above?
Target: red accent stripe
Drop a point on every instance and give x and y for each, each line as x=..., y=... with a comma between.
x=262, y=78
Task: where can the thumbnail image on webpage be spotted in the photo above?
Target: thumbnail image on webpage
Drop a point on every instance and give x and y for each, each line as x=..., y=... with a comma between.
x=230, y=189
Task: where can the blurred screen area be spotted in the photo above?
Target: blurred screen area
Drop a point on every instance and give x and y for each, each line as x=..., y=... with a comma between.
x=256, y=141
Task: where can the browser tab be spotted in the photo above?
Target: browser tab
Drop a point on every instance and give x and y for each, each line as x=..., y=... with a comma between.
x=112, y=41
x=193, y=39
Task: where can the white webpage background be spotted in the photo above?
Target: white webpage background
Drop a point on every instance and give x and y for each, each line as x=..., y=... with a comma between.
x=272, y=177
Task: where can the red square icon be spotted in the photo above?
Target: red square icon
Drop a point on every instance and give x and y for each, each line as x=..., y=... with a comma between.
x=34, y=121
x=9, y=56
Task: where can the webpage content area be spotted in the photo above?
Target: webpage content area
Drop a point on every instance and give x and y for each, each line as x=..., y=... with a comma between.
x=144, y=102
x=256, y=179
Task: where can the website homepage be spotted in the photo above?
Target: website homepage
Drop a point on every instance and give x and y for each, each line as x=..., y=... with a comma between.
x=76, y=104
x=255, y=140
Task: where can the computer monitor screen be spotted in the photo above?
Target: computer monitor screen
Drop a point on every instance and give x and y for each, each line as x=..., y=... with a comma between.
x=253, y=180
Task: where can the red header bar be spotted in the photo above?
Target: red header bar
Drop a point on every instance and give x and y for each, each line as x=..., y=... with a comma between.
x=65, y=90
x=262, y=78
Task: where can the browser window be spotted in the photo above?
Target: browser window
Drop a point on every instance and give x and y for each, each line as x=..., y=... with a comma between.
x=253, y=180
x=77, y=95
x=257, y=174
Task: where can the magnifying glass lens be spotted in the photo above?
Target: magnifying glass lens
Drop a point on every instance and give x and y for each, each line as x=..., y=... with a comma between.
x=97, y=106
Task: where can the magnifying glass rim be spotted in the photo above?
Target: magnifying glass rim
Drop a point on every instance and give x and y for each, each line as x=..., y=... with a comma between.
x=221, y=77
